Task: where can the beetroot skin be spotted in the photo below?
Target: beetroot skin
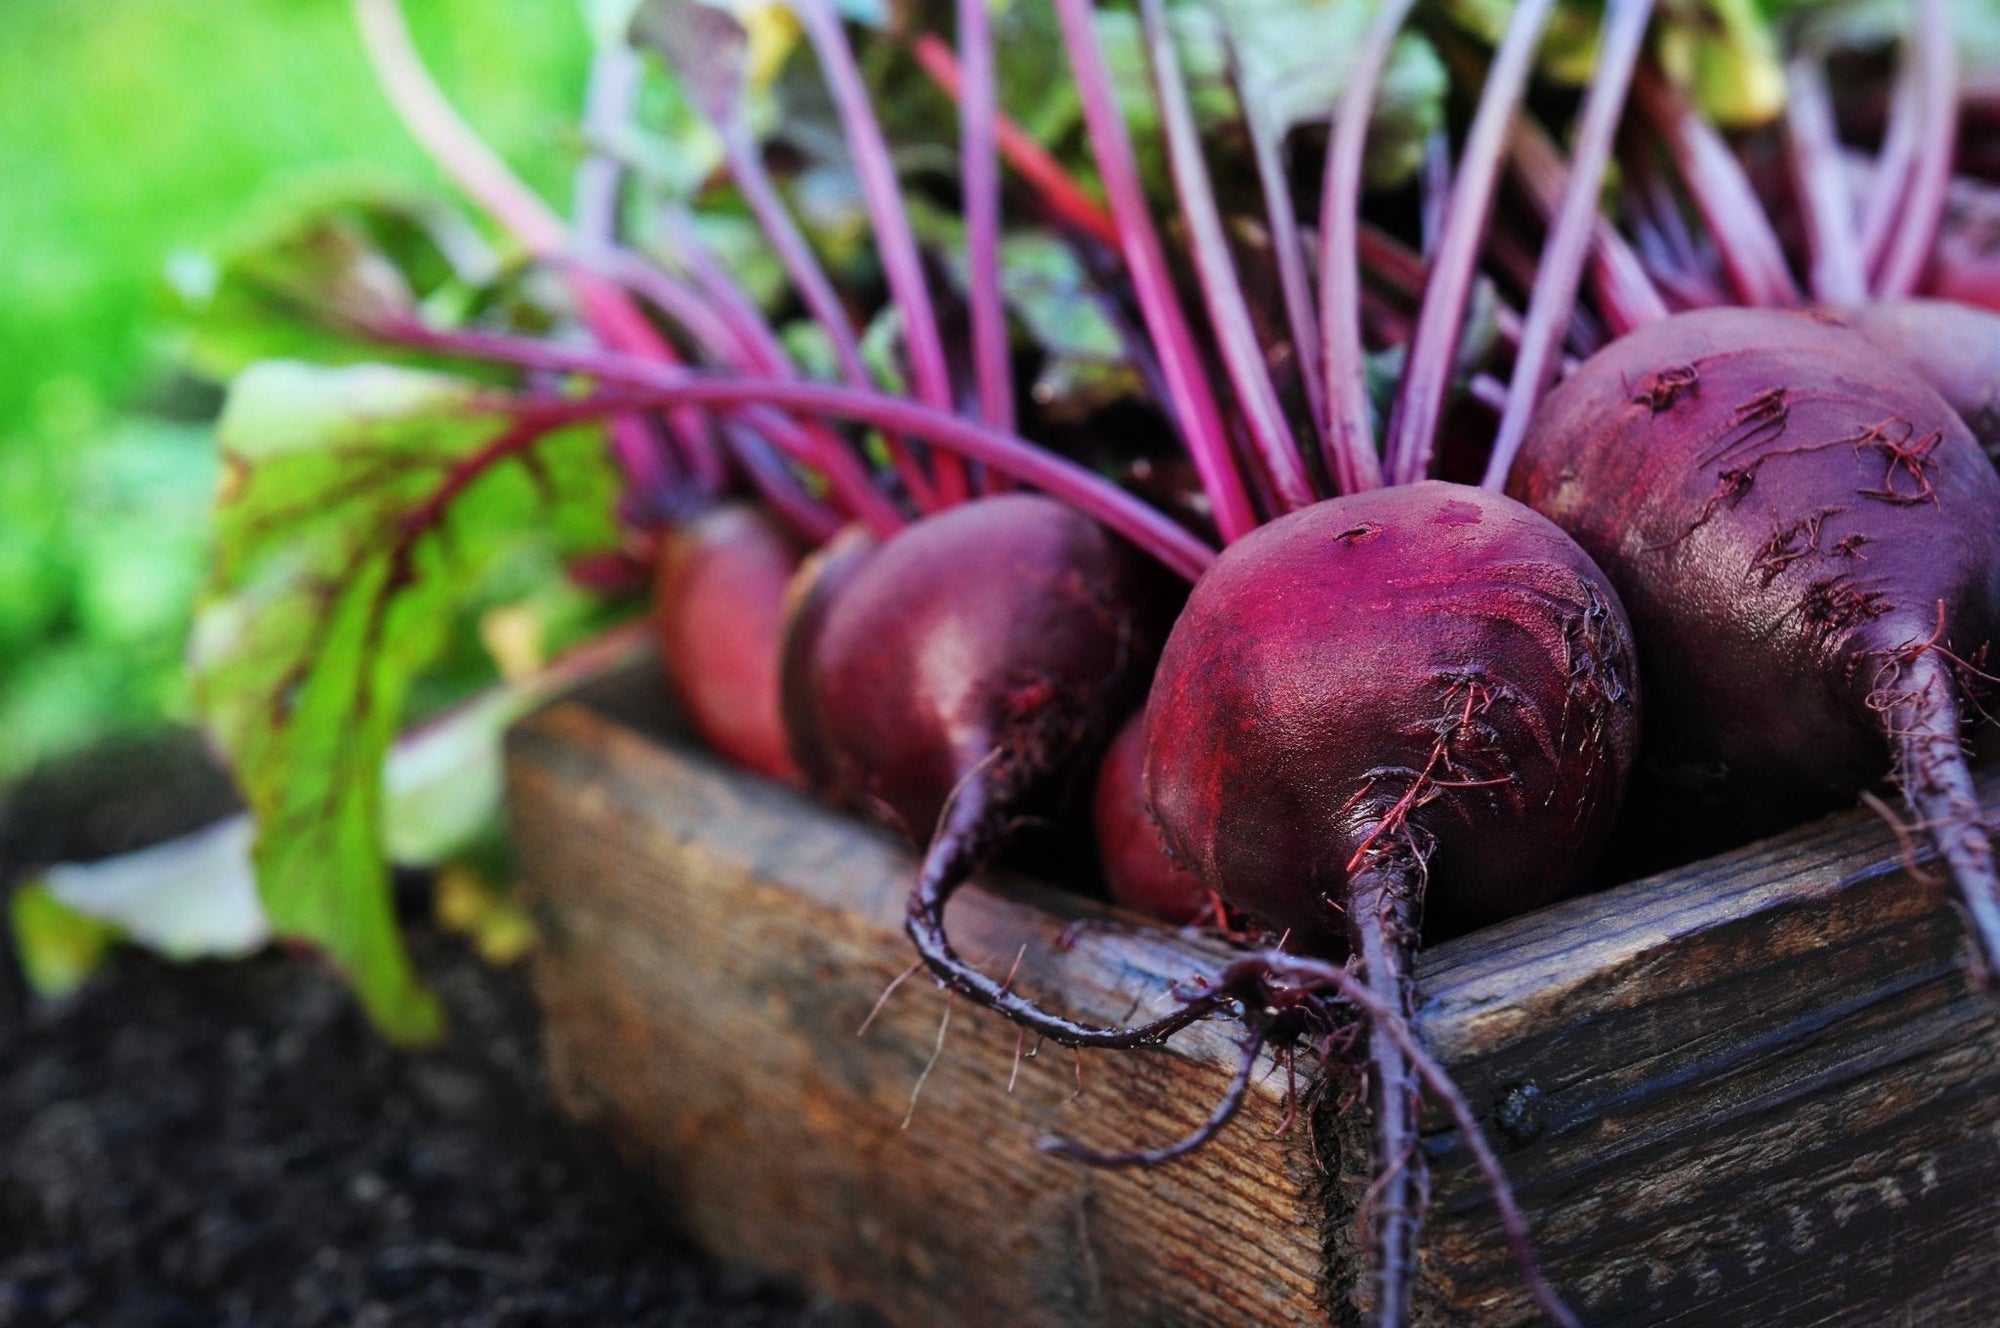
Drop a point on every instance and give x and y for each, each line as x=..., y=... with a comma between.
x=1808, y=540
x=997, y=637
x=1137, y=870
x=718, y=610
x=1432, y=666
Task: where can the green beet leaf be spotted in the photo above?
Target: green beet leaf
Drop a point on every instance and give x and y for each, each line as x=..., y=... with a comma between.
x=358, y=509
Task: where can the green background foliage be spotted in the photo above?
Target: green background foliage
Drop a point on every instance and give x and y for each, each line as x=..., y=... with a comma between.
x=135, y=135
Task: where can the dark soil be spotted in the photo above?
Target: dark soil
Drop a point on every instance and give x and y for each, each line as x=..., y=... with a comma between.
x=224, y=1145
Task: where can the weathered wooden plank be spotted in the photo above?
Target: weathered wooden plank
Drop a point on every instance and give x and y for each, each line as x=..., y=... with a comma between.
x=713, y=944
x=1755, y=1091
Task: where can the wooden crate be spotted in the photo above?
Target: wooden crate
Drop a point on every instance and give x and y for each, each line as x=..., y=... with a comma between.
x=1753, y=1091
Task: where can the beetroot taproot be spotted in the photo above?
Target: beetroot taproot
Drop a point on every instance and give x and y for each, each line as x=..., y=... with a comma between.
x=1808, y=540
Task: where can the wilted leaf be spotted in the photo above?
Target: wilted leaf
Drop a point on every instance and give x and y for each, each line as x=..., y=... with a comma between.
x=359, y=508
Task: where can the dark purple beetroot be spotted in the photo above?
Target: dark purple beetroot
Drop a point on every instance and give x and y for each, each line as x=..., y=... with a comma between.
x=1407, y=709
x=965, y=676
x=1138, y=871
x=1431, y=670
x=1808, y=540
x=718, y=607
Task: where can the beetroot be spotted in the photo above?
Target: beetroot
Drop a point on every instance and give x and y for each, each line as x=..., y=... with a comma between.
x=1137, y=869
x=1435, y=672
x=967, y=670
x=1406, y=709
x=718, y=609
x=820, y=579
x=1808, y=540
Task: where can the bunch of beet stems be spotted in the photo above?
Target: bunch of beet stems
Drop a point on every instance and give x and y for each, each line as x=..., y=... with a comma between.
x=775, y=425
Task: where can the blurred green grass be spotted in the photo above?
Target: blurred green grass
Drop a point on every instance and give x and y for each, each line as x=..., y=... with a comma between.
x=134, y=133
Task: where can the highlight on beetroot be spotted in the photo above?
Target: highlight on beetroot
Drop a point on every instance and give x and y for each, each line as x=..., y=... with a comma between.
x=718, y=610
x=1808, y=540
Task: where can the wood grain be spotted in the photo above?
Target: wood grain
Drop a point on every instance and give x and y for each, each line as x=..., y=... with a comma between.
x=712, y=946
x=1754, y=1091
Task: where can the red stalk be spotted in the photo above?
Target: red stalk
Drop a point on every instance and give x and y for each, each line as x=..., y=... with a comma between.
x=979, y=184
x=1577, y=223
x=1910, y=244
x=1288, y=251
x=598, y=191
x=1744, y=237
x=644, y=385
x=1626, y=296
x=466, y=159
x=1052, y=184
x=1413, y=423
x=1400, y=269
x=1263, y=417
x=761, y=351
x=1349, y=436
x=600, y=177
x=757, y=452
x=1893, y=164
x=1819, y=178
x=1674, y=260
x=1192, y=402
x=815, y=287
x=1434, y=182
x=882, y=196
